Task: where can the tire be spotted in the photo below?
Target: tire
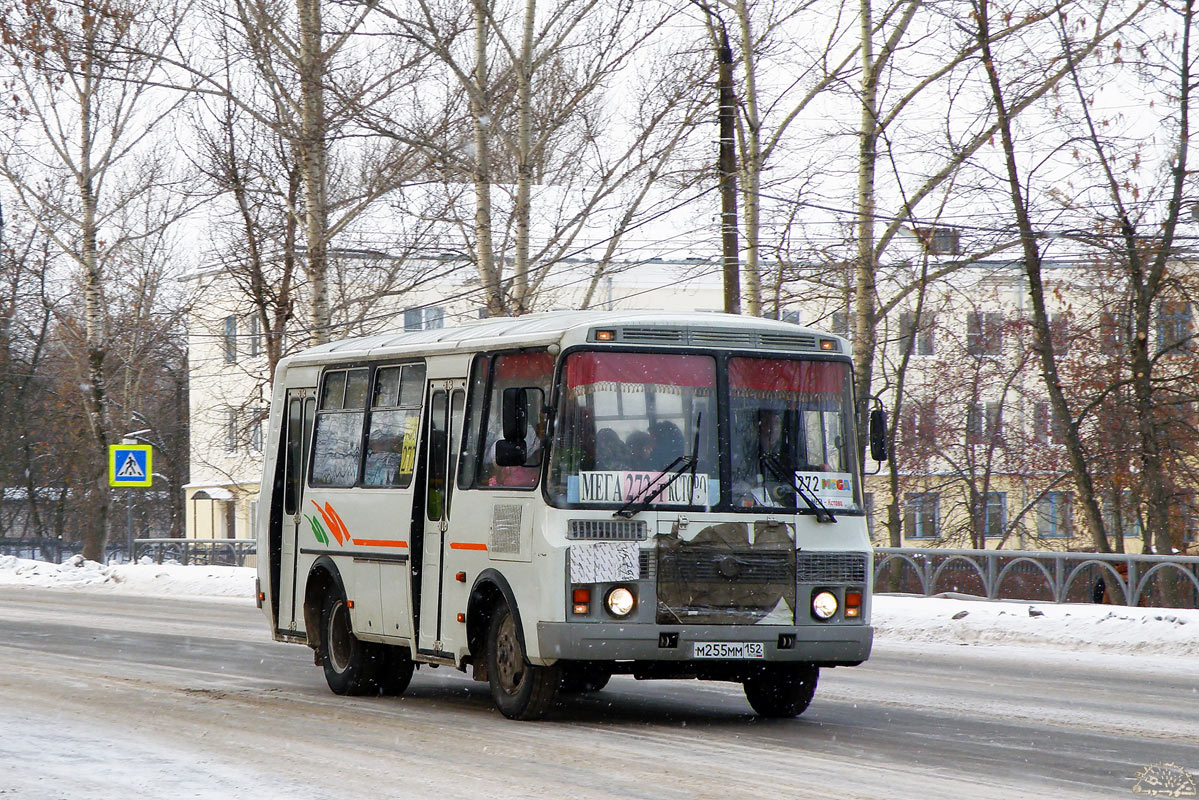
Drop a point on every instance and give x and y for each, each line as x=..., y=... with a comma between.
x=352, y=667
x=781, y=690
x=579, y=678
x=397, y=670
x=520, y=690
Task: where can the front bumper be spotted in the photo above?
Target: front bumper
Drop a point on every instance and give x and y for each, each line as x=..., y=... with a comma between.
x=819, y=644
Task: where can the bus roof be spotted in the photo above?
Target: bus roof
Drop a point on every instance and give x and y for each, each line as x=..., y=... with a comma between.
x=723, y=330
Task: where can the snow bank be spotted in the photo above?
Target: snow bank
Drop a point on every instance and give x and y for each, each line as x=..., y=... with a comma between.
x=144, y=579
x=897, y=619
x=1101, y=628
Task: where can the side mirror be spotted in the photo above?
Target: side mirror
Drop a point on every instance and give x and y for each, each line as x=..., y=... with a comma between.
x=516, y=415
x=878, y=433
x=510, y=454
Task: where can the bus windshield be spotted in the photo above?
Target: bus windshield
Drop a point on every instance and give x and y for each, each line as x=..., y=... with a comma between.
x=792, y=433
x=630, y=422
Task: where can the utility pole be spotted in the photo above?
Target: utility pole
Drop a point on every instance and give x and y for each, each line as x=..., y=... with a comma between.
x=730, y=257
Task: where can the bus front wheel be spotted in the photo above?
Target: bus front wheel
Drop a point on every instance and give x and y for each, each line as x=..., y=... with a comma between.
x=521, y=690
x=781, y=690
x=352, y=667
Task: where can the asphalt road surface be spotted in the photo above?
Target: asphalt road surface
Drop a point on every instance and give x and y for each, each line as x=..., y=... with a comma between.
x=105, y=696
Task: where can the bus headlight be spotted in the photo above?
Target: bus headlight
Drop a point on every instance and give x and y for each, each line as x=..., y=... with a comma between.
x=620, y=601
x=824, y=605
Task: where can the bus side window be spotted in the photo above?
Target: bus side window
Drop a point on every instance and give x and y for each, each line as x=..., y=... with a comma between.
x=337, y=437
x=392, y=430
x=469, y=464
x=530, y=370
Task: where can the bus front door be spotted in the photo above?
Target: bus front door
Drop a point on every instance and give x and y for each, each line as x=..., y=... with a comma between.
x=446, y=400
x=296, y=436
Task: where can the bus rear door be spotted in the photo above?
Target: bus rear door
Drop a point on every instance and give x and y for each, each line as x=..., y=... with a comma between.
x=297, y=436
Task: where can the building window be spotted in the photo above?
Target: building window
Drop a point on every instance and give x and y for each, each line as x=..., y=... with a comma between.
x=1173, y=325
x=939, y=241
x=841, y=323
x=1111, y=334
x=974, y=424
x=230, y=339
x=1048, y=427
x=789, y=316
x=1059, y=333
x=984, y=333
x=258, y=416
x=423, y=318
x=919, y=423
x=231, y=430
x=923, y=344
x=1120, y=515
x=920, y=515
x=1188, y=518
x=1054, y=518
x=995, y=515
x=254, y=337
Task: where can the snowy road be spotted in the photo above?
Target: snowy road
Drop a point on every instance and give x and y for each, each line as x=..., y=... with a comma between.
x=106, y=696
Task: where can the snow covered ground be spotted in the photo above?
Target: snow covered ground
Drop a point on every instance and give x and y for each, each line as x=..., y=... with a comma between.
x=915, y=621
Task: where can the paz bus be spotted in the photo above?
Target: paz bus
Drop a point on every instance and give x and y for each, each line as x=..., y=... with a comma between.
x=550, y=500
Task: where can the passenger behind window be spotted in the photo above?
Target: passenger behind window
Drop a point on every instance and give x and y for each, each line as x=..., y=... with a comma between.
x=641, y=446
x=668, y=444
x=610, y=452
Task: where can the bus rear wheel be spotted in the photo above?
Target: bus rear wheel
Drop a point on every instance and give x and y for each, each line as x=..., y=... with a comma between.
x=352, y=667
x=781, y=690
x=521, y=690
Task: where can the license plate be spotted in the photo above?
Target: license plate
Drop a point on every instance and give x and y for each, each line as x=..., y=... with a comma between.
x=728, y=650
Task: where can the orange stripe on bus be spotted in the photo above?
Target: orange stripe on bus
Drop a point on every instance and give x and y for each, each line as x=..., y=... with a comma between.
x=467, y=546
x=380, y=543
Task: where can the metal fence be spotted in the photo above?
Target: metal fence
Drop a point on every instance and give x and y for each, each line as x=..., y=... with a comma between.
x=225, y=552
x=55, y=550
x=1121, y=579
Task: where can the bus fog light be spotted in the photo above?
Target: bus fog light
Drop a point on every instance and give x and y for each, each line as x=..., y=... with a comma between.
x=824, y=605
x=620, y=601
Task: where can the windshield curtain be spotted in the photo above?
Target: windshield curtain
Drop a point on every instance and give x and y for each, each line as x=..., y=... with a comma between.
x=628, y=420
x=791, y=422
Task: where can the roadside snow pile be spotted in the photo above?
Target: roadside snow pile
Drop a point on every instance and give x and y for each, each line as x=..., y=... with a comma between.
x=144, y=578
x=1106, y=628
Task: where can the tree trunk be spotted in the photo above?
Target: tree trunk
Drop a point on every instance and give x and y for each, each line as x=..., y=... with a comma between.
x=865, y=266
x=751, y=168
x=489, y=274
x=313, y=159
x=96, y=535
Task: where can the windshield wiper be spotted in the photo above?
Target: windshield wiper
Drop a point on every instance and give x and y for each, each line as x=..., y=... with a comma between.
x=822, y=513
x=639, y=502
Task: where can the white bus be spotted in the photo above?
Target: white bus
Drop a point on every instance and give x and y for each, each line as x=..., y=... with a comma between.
x=553, y=499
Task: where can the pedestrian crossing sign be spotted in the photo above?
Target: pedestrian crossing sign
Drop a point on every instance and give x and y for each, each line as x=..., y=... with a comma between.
x=130, y=465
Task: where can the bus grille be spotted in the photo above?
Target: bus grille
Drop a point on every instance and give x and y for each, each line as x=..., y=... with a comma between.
x=628, y=530
x=713, y=585
x=830, y=568
x=723, y=565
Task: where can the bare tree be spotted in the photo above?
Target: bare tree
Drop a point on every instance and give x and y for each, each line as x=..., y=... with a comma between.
x=1003, y=103
x=87, y=114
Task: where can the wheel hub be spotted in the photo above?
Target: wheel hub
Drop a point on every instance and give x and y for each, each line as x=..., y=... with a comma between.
x=509, y=661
